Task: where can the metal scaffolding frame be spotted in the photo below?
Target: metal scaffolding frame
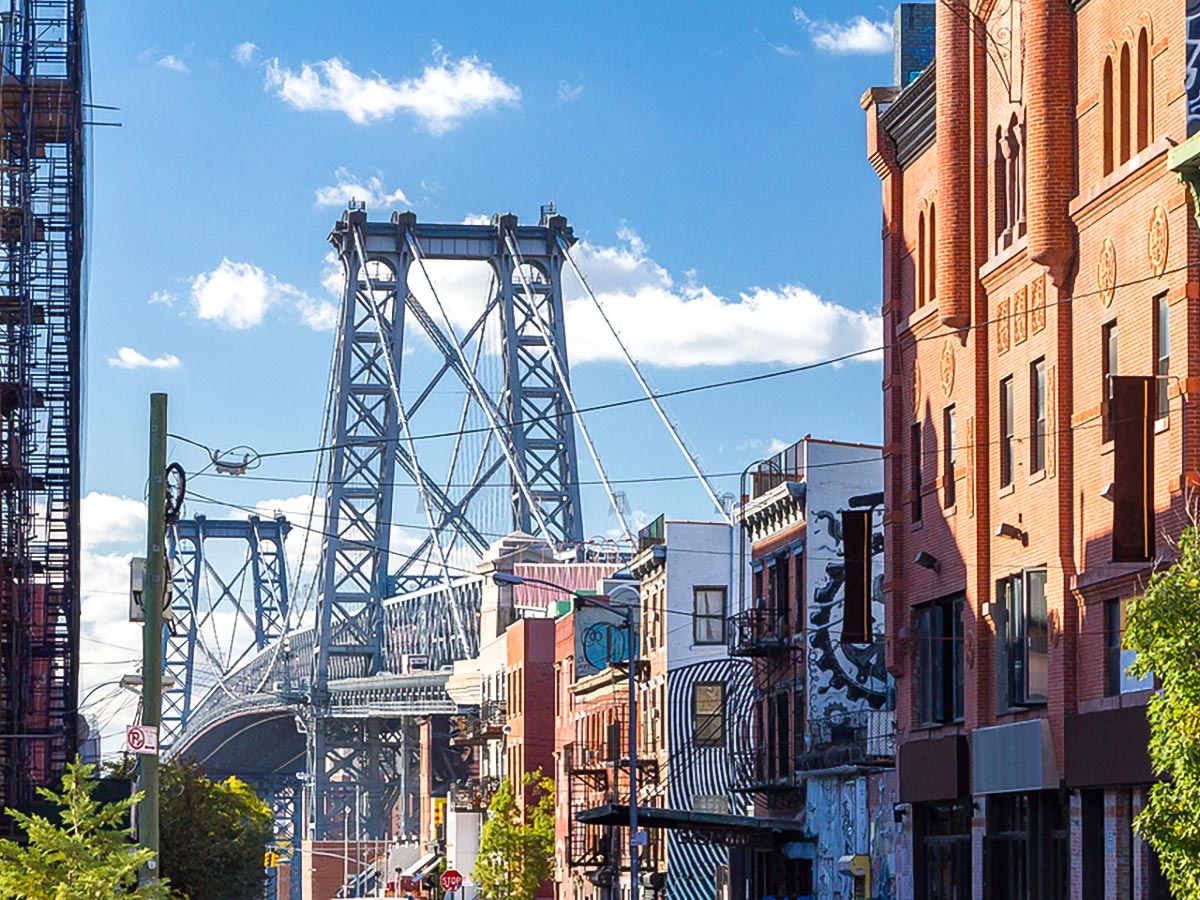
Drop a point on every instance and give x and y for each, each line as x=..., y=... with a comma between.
x=43, y=82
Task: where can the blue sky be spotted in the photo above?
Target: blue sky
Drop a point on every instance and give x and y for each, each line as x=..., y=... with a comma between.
x=710, y=156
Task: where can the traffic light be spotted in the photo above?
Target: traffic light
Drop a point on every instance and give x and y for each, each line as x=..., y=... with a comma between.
x=270, y=859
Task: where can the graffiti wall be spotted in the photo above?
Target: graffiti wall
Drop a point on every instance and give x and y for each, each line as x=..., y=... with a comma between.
x=1192, y=74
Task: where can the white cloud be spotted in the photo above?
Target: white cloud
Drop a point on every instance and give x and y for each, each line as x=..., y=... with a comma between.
x=319, y=315
x=445, y=93
x=166, y=298
x=858, y=35
x=244, y=52
x=331, y=275
x=350, y=187
x=476, y=219
x=172, y=63
x=568, y=93
x=128, y=358
x=108, y=519
x=690, y=325
x=239, y=295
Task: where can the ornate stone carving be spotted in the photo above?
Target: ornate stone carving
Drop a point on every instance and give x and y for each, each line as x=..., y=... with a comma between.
x=916, y=385
x=1051, y=422
x=1158, y=238
x=1003, y=326
x=1037, y=304
x=1020, y=305
x=971, y=467
x=947, y=370
x=1106, y=272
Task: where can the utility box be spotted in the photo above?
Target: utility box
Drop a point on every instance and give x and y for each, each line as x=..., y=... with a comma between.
x=858, y=867
x=137, y=592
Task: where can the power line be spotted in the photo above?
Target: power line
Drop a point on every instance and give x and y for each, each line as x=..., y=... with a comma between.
x=718, y=385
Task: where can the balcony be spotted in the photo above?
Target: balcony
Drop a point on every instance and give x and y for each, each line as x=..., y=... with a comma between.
x=759, y=632
x=478, y=728
x=864, y=737
x=474, y=794
x=760, y=771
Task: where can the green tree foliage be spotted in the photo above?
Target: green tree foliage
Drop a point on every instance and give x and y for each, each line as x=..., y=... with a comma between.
x=1163, y=628
x=212, y=834
x=87, y=856
x=516, y=848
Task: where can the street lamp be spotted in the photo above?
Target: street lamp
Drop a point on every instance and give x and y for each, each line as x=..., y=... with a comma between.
x=626, y=615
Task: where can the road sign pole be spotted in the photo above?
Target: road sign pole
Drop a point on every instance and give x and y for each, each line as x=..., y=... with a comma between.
x=152, y=594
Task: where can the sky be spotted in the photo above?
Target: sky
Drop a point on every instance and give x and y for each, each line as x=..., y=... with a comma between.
x=710, y=158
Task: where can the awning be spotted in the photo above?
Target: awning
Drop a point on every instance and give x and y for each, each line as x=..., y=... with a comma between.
x=422, y=866
x=653, y=817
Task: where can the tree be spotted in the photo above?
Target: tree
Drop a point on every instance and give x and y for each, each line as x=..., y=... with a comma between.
x=1163, y=628
x=213, y=834
x=516, y=848
x=88, y=855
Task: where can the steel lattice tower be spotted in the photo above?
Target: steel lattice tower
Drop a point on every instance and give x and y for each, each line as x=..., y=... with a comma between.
x=42, y=140
x=528, y=455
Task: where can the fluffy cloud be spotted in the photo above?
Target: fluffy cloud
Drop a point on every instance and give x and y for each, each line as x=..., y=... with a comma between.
x=858, y=35
x=568, y=93
x=237, y=295
x=690, y=325
x=369, y=190
x=319, y=315
x=128, y=358
x=244, y=52
x=172, y=63
x=445, y=93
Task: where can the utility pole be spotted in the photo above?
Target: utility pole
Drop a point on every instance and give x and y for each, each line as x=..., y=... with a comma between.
x=152, y=628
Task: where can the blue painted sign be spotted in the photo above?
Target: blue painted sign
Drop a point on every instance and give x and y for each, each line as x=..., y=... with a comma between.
x=1192, y=76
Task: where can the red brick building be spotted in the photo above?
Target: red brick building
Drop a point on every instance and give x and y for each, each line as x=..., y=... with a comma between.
x=1035, y=243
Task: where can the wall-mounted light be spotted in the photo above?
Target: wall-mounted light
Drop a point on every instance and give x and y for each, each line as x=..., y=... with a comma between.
x=927, y=560
x=1008, y=530
x=1109, y=492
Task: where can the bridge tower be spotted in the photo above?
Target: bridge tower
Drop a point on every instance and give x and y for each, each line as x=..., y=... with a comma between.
x=507, y=357
x=208, y=592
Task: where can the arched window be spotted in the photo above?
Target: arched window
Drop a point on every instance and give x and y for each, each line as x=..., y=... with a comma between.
x=932, y=264
x=999, y=182
x=1143, y=90
x=1106, y=115
x=1125, y=101
x=921, y=260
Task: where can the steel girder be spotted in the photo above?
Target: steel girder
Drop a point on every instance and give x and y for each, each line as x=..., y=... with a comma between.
x=531, y=444
x=254, y=591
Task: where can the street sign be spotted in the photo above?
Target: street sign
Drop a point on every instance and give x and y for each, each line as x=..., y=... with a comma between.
x=407, y=883
x=451, y=880
x=641, y=839
x=142, y=739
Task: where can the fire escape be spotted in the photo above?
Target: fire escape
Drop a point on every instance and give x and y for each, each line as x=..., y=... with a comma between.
x=42, y=87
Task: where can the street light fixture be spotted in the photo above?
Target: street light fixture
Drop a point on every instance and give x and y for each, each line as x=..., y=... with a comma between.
x=626, y=615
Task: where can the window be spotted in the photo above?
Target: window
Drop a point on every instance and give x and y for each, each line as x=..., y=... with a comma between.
x=709, y=616
x=708, y=714
x=1022, y=632
x=915, y=471
x=1106, y=116
x=949, y=455
x=1125, y=101
x=1143, y=90
x=1117, y=659
x=939, y=676
x=1037, y=416
x=1006, y=432
x=1162, y=352
x=931, y=252
x=921, y=251
x=1109, y=368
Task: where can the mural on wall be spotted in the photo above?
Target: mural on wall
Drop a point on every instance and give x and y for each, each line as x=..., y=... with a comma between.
x=845, y=824
x=600, y=637
x=703, y=773
x=1192, y=76
x=843, y=678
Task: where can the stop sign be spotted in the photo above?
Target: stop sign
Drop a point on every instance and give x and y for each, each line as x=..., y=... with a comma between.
x=451, y=880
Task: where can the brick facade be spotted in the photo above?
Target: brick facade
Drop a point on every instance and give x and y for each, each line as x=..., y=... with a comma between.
x=1056, y=216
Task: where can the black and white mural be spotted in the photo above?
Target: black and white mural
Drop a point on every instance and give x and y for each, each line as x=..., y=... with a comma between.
x=842, y=678
x=700, y=777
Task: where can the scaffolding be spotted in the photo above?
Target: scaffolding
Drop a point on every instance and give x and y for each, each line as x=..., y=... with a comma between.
x=43, y=82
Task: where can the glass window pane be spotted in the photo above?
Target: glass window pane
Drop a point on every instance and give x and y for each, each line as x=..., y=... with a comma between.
x=1037, y=656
